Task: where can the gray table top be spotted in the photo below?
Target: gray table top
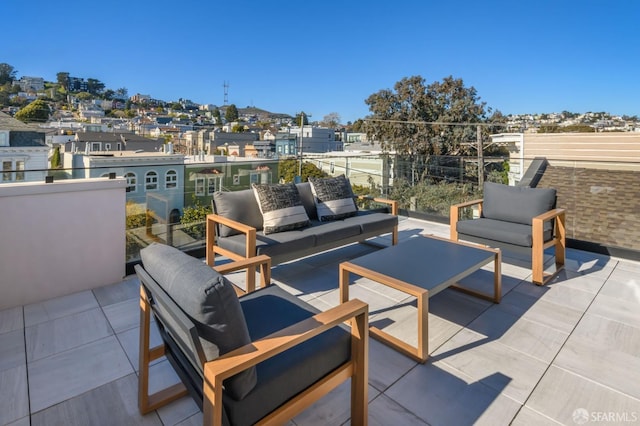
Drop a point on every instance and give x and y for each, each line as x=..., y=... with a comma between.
x=430, y=263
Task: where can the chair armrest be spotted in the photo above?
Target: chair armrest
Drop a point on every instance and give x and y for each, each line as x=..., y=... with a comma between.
x=454, y=215
x=219, y=369
x=551, y=214
x=211, y=249
x=393, y=204
x=262, y=261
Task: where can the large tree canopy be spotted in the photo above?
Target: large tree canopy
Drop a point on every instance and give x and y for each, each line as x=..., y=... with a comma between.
x=231, y=114
x=406, y=118
x=7, y=73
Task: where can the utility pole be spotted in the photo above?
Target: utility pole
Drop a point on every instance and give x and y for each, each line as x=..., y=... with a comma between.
x=301, y=132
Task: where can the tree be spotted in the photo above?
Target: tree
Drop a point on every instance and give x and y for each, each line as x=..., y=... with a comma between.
x=216, y=116
x=296, y=119
x=407, y=119
x=63, y=80
x=121, y=93
x=94, y=86
x=231, y=114
x=55, y=158
x=37, y=110
x=331, y=120
x=288, y=170
x=7, y=73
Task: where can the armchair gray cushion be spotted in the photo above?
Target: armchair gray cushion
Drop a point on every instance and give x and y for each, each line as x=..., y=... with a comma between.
x=516, y=204
x=209, y=300
x=240, y=206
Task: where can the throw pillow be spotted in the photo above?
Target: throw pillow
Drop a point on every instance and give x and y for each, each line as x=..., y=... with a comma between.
x=209, y=300
x=281, y=207
x=333, y=198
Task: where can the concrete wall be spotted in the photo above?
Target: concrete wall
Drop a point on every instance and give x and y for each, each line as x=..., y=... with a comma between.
x=60, y=238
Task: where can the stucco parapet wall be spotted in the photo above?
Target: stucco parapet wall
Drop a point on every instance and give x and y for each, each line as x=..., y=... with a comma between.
x=61, y=186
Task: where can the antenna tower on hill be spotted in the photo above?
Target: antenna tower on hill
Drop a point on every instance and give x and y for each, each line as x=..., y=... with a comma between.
x=226, y=92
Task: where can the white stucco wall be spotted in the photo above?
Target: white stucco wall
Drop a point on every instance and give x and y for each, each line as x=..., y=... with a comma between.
x=60, y=238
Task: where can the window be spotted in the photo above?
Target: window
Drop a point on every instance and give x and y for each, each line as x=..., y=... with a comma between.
x=236, y=179
x=19, y=170
x=107, y=146
x=95, y=146
x=212, y=185
x=332, y=166
x=254, y=178
x=6, y=171
x=131, y=181
x=171, y=179
x=200, y=186
x=151, y=181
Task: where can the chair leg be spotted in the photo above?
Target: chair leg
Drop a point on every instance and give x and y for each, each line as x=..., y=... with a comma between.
x=146, y=402
x=537, y=254
x=360, y=379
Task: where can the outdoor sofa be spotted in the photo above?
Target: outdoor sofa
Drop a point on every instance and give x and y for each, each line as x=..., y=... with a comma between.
x=236, y=229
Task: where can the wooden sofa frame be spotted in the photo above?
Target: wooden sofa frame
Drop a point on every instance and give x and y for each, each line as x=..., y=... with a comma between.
x=558, y=240
x=216, y=371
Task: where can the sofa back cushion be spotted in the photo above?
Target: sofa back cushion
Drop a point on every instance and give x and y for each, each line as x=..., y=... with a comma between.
x=516, y=203
x=306, y=196
x=240, y=206
x=281, y=207
x=333, y=198
x=209, y=300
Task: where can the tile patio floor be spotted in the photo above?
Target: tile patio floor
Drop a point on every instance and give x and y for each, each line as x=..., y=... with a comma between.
x=567, y=353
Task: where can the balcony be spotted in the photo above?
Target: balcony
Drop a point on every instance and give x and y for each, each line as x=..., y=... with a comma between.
x=563, y=353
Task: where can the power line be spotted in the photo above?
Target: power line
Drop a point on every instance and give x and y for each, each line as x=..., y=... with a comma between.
x=443, y=123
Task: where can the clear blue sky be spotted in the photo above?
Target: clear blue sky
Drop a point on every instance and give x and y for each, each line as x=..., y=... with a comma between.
x=329, y=56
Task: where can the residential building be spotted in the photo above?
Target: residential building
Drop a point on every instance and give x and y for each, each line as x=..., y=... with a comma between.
x=23, y=152
x=107, y=141
x=317, y=139
x=31, y=84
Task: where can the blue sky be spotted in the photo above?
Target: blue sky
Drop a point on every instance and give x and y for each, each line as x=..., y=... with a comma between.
x=329, y=56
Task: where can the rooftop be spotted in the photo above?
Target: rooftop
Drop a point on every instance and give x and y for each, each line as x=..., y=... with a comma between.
x=562, y=353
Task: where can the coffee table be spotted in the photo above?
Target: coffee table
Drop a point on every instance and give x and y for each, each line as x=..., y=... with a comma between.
x=422, y=267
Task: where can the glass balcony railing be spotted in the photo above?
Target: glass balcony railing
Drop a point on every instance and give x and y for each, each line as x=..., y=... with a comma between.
x=168, y=202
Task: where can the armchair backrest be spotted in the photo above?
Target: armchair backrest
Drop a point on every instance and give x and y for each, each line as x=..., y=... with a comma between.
x=516, y=204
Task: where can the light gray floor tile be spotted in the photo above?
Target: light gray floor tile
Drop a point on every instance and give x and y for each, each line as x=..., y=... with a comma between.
x=482, y=281
x=309, y=285
x=161, y=376
x=130, y=341
x=440, y=395
x=332, y=409
x=11, y=319
x=560, y=292
x=123, y=315
x=178, y=411
x=623, y=285
x=129, y=288
x=532, y=308
x=195, y=420
x=586, y=282
x=629, y=266
x=605, y=351
x=384, y=411
x=624, y=310
x=25, y=421
x=561, y=395
x=386, y=365
x=508, y=371
x=12, y=352
x=73, y=372
x=520, y=334
x=58, y=335
x=527, y=417
x=59, y=307
x=114, y=403
x=14, y=399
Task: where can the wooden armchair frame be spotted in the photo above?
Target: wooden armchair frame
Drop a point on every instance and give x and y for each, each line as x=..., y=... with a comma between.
x=216, y=371
x=558, y=239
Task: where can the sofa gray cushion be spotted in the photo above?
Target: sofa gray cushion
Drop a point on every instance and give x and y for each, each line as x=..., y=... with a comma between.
x=516, y=204
x=281, y=207
x=373, y=222
x=282, y=377
x=240, y=206
x=333, y=197
x=209, y=300
x=306, y=196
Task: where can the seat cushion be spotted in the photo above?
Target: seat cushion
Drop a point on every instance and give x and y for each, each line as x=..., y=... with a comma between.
x=333, y=198
x=209, y=300
x=373, y=222
x=306, y=196
x=498, y=230
x=280, y=378
x=281, y=207
x=240, y=206
x=515, y=203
